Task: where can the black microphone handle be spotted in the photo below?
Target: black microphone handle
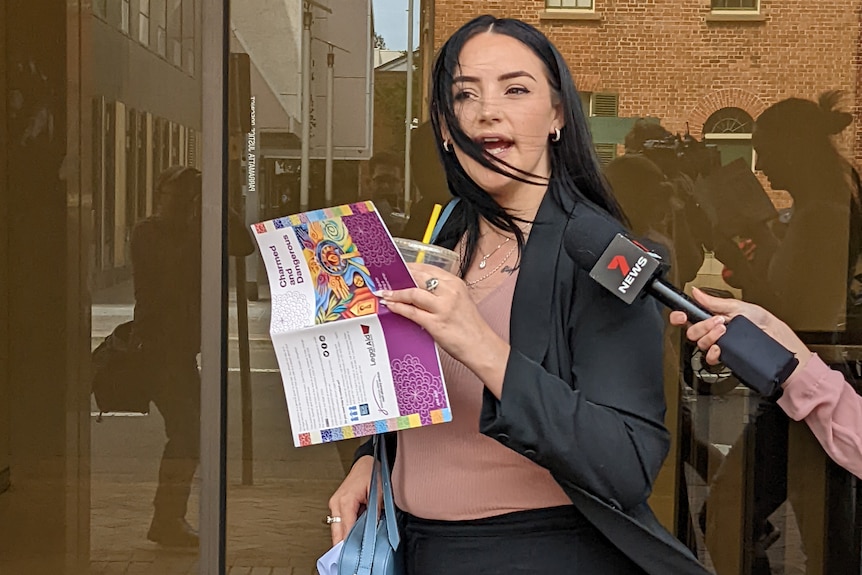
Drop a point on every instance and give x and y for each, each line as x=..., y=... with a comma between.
x=759, y=361
x=676, y=300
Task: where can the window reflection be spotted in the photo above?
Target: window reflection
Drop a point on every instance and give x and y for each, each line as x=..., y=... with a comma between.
x=750, y=511
x=752, y=192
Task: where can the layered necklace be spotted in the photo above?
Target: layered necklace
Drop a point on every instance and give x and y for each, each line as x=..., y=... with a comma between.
x=485, y=257
x=484, y=262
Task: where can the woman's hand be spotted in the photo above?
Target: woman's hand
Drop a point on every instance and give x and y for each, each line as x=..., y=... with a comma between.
x=707, y=332
x=350, y=497
x=449, y=315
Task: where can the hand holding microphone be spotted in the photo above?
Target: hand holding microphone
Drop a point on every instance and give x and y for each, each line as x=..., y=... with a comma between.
x=708, y=333
x=814, y=393
x=598, y=244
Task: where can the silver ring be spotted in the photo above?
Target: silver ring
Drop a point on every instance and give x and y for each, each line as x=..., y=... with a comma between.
x=432, y=284
x=330, y=519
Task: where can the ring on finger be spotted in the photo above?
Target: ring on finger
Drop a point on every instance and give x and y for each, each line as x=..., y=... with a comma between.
x=432, y=284
x=330, y=519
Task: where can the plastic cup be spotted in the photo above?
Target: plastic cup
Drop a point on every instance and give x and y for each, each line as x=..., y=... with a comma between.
x=432, y=255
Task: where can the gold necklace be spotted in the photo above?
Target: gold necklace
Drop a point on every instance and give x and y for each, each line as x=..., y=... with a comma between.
x=485, y=257
x=493, y=271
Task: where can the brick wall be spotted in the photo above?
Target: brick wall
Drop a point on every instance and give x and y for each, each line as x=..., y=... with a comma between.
x=665, y=59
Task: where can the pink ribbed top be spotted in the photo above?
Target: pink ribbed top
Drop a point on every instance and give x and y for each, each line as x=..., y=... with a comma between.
x=451, y=471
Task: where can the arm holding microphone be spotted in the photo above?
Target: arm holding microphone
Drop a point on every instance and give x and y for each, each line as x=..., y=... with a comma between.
x=814, y=393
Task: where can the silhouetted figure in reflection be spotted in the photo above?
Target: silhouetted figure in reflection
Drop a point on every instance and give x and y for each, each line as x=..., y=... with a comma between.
x=807, y=277
x=166, y=260
x=429, y=180
x=644, y=193
x=651, y=202
x=386, y=188
x=681, y=161
x=810, y=270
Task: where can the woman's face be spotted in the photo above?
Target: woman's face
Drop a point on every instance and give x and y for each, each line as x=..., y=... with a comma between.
x=504, y=102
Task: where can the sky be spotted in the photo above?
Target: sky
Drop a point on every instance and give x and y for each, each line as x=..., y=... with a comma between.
x=390, y=21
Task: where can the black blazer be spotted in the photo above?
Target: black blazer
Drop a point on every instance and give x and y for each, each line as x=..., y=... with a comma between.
x=583, y=394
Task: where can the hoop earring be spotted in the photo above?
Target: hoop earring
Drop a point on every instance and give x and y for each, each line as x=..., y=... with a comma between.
x=446, y=146
x=557, y=135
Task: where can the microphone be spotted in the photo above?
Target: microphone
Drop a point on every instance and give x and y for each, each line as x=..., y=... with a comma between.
x=599, y=244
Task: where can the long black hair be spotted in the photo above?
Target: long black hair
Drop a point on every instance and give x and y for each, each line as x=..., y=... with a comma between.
x=575, y=169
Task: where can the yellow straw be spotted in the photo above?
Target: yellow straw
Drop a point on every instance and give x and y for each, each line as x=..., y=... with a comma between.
x=429, y=230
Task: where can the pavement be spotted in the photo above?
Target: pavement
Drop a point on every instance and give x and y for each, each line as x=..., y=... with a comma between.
x=273, y=526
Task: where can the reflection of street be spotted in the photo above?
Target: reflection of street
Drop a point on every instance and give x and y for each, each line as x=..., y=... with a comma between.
x=273, y=526
x=720, y=420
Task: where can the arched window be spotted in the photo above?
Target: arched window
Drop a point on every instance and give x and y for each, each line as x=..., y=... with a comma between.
x=730, y=130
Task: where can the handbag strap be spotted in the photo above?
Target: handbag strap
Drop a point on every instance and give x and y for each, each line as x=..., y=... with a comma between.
x=369, y=534
x=447, y=211
x=388, y=500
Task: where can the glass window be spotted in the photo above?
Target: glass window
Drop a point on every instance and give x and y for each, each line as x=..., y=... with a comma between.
x=159, y=25
x=748, y=5
x=729, y=130
x=144, y=22
x=125, y=15
x=100, y=8
x=175, y=32
x=108, y=461
x=108, y=243
x=188, y=36
x=574, y=4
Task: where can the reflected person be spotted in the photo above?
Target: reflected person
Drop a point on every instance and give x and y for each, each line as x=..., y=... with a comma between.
x=810, y=271
x=166, y=262
x=650, y=199
x=386, y=188
x=681, y=162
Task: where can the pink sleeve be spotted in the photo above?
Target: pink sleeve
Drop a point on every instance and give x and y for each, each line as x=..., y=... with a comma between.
x=831, y=408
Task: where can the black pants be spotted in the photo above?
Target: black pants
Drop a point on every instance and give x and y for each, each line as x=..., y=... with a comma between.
x=539, y=542
x=177, y=395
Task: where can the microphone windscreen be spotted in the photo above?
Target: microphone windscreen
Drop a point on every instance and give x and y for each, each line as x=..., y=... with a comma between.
x=589, y=233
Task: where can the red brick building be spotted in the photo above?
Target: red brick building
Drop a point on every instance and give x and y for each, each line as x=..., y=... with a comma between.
x=683, y=61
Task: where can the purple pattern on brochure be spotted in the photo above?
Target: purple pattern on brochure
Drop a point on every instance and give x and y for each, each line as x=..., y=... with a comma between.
x=350, y=367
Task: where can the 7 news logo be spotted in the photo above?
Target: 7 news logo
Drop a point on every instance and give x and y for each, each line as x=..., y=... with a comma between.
x=630, y=273
x=624, y=268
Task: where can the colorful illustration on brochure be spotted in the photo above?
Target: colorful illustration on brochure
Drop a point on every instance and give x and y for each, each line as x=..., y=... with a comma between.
x=342, y=283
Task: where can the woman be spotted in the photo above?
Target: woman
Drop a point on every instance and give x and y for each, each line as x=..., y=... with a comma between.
x=813, y=393
x=808, y=274
x=556, y=441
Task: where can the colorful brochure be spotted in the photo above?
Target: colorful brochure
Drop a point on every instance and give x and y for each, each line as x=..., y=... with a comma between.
x=349, y=366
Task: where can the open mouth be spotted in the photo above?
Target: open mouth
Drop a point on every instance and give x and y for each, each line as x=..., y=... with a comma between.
x=495, y=145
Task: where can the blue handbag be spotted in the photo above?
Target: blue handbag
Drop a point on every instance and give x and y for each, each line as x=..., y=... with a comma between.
x=373, y=545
